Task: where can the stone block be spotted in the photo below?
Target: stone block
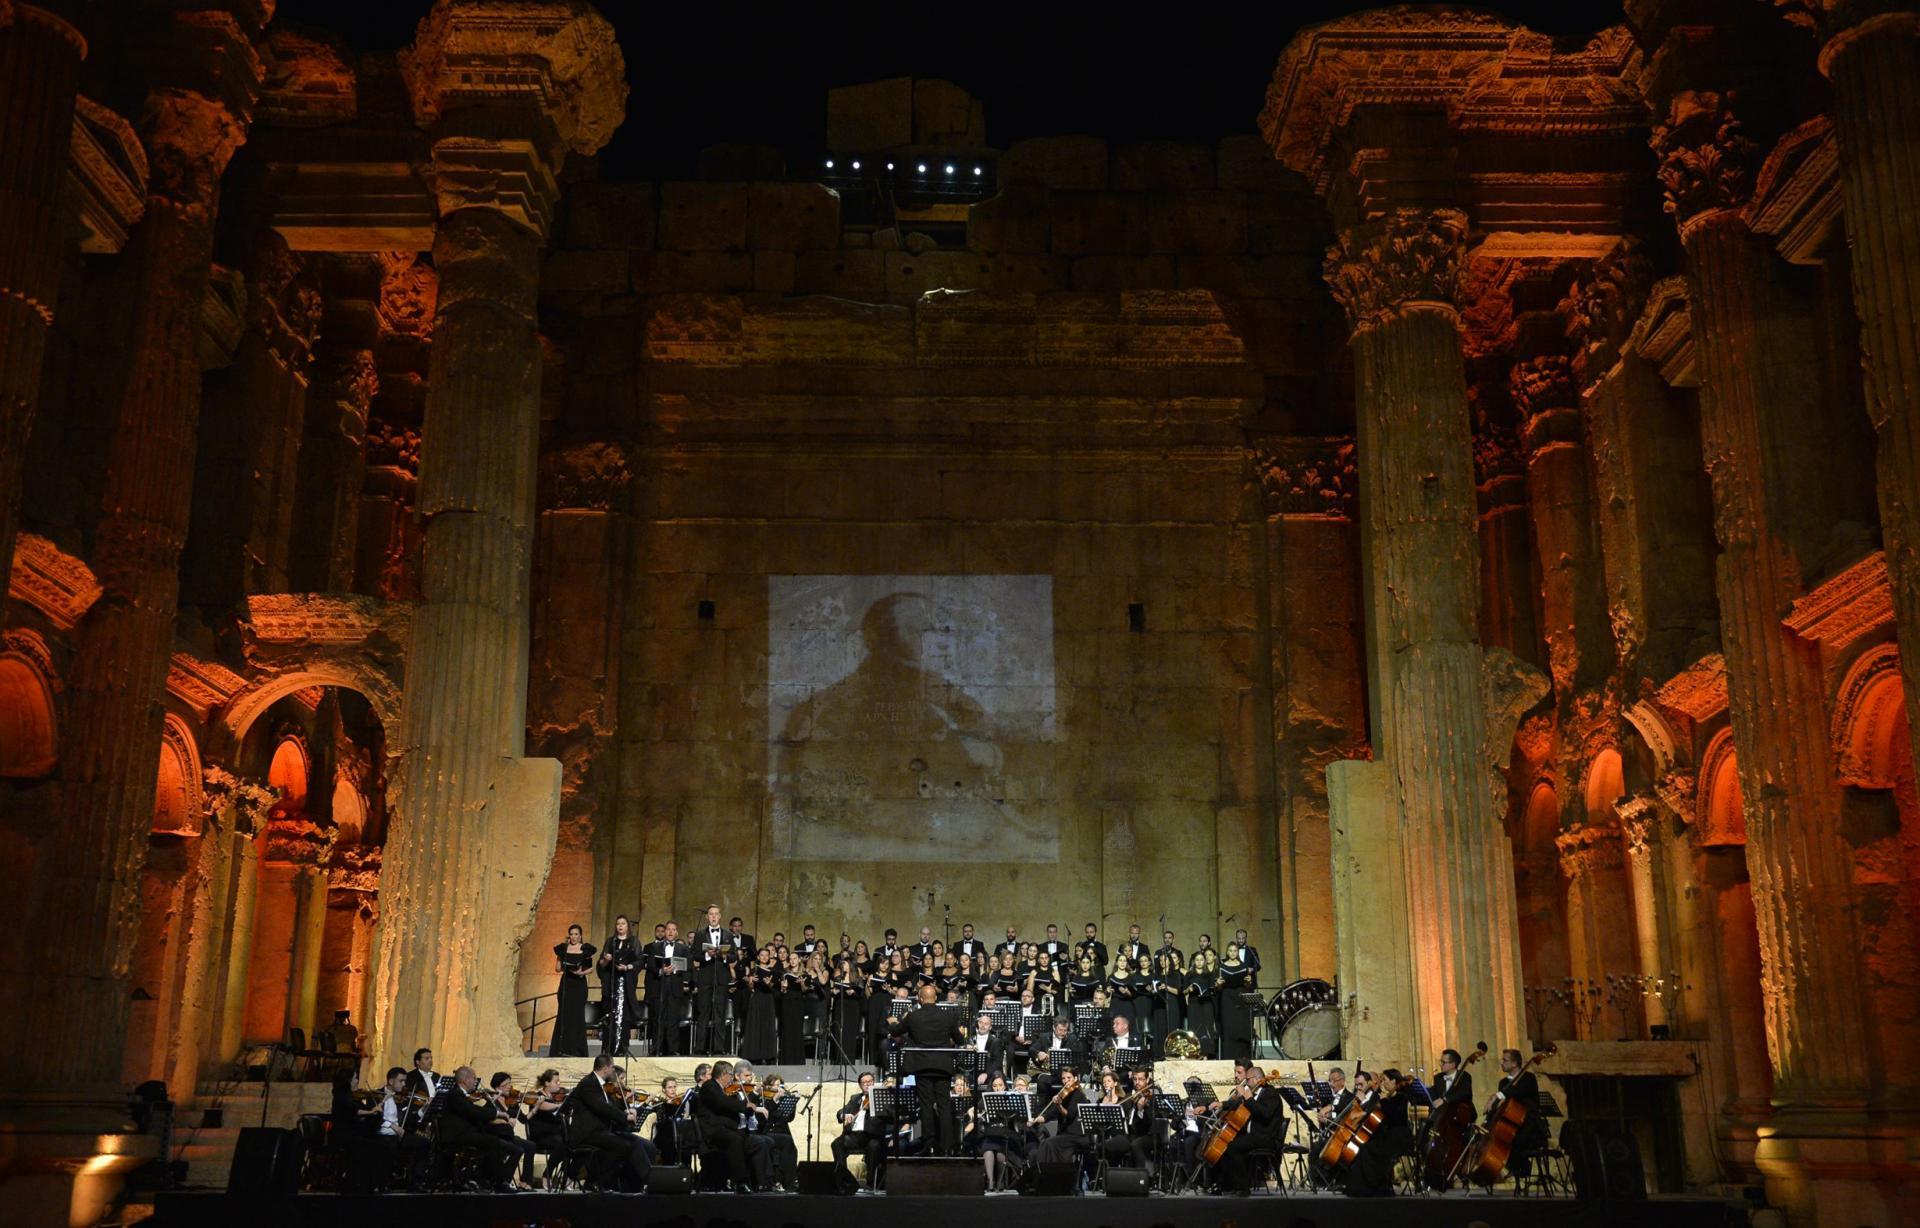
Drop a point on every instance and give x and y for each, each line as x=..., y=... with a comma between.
x=610, y=215
x=773, y=272
x=1288, y=275
x=1019, y=219
x=740, y=163
x=1245, y=163
x=1092, y=223
x=828, y=330
x=1111, y=274
x=945, y=114
x=1076, y=163
x=1212, y=222
x=1286, y=222
x=1148, y=166
x=582, y=278
x=853, y=273
x=792, y=217
x=872, y=115
x=703, y=217
x=910, y=275
x=696, y=272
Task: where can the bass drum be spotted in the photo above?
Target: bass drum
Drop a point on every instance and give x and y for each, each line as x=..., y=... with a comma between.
x=1306, y=1021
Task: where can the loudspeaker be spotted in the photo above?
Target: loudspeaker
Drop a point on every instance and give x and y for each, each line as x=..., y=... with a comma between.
x=266, y=1161
x=817, y=1177
x=917, y=1175
x=1126, y=1183
x=670, y=1179
x=1606, y=1164
x=1051, y=1178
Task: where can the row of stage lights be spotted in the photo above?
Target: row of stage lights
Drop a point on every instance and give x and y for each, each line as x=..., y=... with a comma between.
x=920, y=168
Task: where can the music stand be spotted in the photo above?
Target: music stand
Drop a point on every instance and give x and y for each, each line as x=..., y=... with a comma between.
x=1099, y=1119
x=1006, y=1108
x=1006, y=1017
x=784, y=1108
x=1086, y=1019
x=896, y=1104
x=1317, y=1093
x=1128, y=1059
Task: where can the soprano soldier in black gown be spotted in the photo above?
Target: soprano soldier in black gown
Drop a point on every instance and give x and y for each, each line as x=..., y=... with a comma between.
x=619, y=970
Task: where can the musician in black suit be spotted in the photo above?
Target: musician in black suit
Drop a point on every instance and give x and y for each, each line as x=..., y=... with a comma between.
x=1371, y=1173
x=1134, y=1144
x=1263, y=1128
x=424, y=1082
x=968, y=945
x=712, y=982
x=718, y=1108
x=1249, y=957
x=928, y=1027
x=1091, y=945
x=1133, y=948
x=1452, y=1085
x=1518, y=1083
x=864, y=1130
x=991, y=1044
x=597, y=1121
x=1071, y=1142
x=671, y=988
x=1342, y=1096
x=1063, y=1051
x=466, y=1124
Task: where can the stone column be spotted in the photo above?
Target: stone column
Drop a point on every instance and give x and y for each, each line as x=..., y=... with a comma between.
x=1875, y=70
x=40, y=58
x=475, y=822
x=1759, y=422
x=88, y=875
x=1599, y=939
x=1395, y=278
x=1640, y=820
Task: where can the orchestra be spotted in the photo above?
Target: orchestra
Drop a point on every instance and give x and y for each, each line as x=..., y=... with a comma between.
x=1025, y=1054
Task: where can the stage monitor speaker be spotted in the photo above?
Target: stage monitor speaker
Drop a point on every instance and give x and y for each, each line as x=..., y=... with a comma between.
x=266, y=1161
x=1052, y=1178
x=670, y=1179
x=818, y=1177
x=1606, y=1163
x=1126, y=1183
x=910, y=1176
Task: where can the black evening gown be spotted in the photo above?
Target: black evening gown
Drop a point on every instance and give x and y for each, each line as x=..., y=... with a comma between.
x=570, y=1019
x=849, y=1021
x=1202, y=1013
x=616, y=991
x=1236, y=1020
x=793, y=1021
x=761, y=1041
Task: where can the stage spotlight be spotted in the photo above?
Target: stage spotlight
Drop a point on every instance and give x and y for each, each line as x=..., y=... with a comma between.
x=856, y=164
x=949, y=168
x=889, y=166
x=829, y=163
x=923, y=168
x=976, y=170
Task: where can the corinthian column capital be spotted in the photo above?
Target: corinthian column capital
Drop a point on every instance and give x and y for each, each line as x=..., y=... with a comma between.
x=1409, y=258
x=1707, y=162
x=1585, y=850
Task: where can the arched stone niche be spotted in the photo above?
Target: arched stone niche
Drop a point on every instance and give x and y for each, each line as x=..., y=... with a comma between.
x=1870, y=719
x=28, y=742
x=178, y=809
x=1722, y=820
x=1606, y=784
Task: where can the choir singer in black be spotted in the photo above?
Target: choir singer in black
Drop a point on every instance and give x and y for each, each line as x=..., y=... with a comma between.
x=926, y=1026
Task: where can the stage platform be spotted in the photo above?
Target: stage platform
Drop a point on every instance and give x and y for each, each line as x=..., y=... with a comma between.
x=220, y=1210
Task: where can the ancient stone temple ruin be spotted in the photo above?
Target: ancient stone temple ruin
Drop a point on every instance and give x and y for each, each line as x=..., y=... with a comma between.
x=1458, y=530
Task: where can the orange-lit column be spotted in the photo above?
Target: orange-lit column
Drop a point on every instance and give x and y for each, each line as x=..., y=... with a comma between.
x=475, y=821
x=40, y=56
x=1875, y=69
x=1760, y=422
x=1395, y=278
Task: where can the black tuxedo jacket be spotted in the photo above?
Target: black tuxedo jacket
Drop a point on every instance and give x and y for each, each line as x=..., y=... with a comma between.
x=592, y=1112
x=462, y=1119
x=1460, y=1089
x=927, y=1027
x=1098, y=948
x=714, y=1108
x=656, y=953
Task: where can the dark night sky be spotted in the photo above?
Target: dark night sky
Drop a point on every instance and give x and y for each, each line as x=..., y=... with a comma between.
x=703, y=74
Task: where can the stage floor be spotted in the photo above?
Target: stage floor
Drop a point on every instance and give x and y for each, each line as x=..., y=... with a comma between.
x=887, y=1211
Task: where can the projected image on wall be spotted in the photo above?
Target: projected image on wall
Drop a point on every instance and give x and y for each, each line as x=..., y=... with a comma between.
x=908, y=716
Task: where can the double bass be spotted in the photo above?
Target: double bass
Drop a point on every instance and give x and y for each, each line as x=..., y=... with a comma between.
x=1448, y=1133
x=1504, y=1123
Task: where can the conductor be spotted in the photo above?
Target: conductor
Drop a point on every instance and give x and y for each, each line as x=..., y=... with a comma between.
x=928, y=1027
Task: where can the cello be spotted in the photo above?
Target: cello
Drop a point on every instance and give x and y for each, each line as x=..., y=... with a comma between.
x=1351, y=1130
x=1504, y=1122
x=1231, y=1124
x=1448, y=1132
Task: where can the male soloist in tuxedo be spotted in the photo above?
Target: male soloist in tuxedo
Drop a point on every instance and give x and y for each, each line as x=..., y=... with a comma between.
x=596, y=1121
x=1133, y=948
x=928, y=1027
x=671, y=988
x=968, y=945
x=711, y=981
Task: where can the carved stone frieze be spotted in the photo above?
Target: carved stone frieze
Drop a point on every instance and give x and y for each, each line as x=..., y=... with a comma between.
x=1663, y=335
x=1679, y=791
x=590, y=477
x=318, y=618
x=1409, y=257
x=1847, y=606
x=1868, y=707
x=1604, y=306
x=200, y=684
x=106, y=176
x=1706, y=162
x=409, y=295
x=1308, y=475
x=1544, y=397
x=1590, y=849
x=52, y=581
x=1796, y=195
x=354, y=867
x=1698, y=692
x=308, y=81
x=1639, y=816
x=392, y=446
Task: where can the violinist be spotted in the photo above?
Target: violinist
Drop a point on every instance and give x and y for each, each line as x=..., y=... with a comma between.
x=507, y=1110
x=1518, y=1083
x=673, y=1106
x=371, y=1158
x=1071, y=1142
x=352, y=1113
x=424, y=1087
x=599, y=1121
x=1371, y=1174
x=718, y=1106
x=785, y=1156
x=466, y=1119
x=862, y=1130
x=1262, y=1131
x=546, y=1124
x=1134, y=1145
